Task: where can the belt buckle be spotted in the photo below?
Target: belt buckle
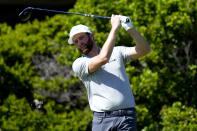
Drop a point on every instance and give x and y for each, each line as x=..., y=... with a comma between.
x=108, y=113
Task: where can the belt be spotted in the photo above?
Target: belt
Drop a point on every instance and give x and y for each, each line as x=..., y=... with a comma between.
x=121, y=112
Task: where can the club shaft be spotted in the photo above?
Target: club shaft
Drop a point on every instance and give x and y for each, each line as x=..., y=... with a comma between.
x=64, y=12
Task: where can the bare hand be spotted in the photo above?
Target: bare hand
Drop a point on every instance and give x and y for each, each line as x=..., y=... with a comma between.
x=115, y=21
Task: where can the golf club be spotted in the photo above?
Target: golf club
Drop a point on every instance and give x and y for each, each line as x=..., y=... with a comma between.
x=26, y=13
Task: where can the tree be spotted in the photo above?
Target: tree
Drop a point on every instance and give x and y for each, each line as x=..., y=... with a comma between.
x=35, y=63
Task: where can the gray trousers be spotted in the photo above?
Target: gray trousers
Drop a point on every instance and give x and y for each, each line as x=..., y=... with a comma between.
x=119, y=120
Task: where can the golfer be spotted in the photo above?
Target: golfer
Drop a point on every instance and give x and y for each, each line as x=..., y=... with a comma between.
x=102, y=71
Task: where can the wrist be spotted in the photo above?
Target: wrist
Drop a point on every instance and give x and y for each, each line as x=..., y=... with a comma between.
x=131, y=30
x=114, y=30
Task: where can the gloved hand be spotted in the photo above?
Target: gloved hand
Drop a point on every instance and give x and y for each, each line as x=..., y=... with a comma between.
x=125, y=22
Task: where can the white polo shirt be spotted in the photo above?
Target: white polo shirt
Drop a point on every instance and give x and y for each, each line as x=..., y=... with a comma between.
x=108, y=87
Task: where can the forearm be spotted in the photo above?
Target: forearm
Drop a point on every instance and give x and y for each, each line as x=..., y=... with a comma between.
x=142, y=45
x=106, y=51
x=108, y=45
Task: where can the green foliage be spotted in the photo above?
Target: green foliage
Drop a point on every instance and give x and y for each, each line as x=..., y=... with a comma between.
x=145, y=84
x=58, y=83
x=166, y=75
x=5, y=29
x=16, y=114
x=144, y=117
x=179, y=117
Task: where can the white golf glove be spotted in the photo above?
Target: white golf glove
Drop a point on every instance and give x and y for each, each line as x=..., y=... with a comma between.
x=125, y=22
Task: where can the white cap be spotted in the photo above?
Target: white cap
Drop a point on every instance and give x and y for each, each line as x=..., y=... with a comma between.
x=77, y=29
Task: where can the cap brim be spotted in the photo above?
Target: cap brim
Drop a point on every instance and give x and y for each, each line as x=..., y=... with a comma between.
x=70, y=41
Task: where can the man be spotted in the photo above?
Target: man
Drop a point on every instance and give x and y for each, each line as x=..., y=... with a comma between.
x=103, y=73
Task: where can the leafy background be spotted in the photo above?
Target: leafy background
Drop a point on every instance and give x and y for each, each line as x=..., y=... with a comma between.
x=38, y=90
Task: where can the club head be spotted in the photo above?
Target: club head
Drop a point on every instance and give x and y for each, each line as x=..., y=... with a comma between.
x=25, y=14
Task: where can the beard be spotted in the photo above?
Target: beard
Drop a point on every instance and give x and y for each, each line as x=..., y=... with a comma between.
x=88, y=46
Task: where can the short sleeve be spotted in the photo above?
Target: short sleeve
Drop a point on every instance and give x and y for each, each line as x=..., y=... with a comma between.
x=80, y=67
x=125, y=53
